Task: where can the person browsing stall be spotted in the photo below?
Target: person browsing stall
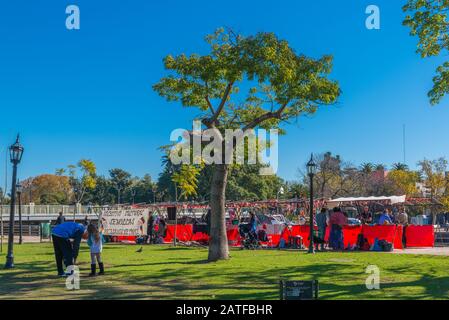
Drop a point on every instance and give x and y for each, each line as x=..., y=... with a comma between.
x=65, y=250
x=337, y=220
x=385, y=218
x=366, y=216
x=321, y=222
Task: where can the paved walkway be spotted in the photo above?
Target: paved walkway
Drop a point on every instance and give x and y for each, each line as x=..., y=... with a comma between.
x=437, y=251
x=26, y=239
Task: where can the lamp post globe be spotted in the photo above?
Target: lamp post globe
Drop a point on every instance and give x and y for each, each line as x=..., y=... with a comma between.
x=311, y=170
x=280, y=192
x=15, y=153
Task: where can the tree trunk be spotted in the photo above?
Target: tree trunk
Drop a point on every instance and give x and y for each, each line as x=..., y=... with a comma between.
x=218, y=241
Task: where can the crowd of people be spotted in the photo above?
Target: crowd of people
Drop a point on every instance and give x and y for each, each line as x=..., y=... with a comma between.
x=336, y=219
x=66, y=236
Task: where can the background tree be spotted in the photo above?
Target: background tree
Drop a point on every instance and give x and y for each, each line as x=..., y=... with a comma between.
x=367, y=168
x=186, y=178
x=433, y=173
x=334, y=177
x=296, y=189
x=165, y=186
x=3, y=198
x=280, y=84
x=82, y=178
x=145, y=190
x=245, y=183
x=120, y=180
x=47, y=189
x=404, y=182
x=400, y=166
x=103, y=193
x=428, y=20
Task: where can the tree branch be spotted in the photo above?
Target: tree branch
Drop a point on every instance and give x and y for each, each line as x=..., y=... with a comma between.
x=266, y=116
x=209, y=104
x=222, y=103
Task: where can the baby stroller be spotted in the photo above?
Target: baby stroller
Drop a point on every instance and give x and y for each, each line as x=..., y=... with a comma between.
x=249, y=237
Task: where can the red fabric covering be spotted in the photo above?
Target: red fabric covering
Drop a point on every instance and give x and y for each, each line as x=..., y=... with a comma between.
x=233, y=234
x=184, y=232
x=416, y=236
x=200, y=237
x=126, y=238
x=419, y=236
x=273, y=240
x=398, y=239
x=297, y=230
x=386, y=232
x=350, y=235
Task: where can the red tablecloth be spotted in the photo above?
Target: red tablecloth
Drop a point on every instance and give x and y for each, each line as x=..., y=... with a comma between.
x=125, y=238
x=200, y=237
x=416, y=236
x=350, y=235
x=419, y=236
x=386, y=232
x=297, y=230
x=184, y=232
x=391, y=233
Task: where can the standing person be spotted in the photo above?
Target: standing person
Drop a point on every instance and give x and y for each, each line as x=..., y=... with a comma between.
x=366, y=217
x=402, y=219
x=162, y=229
x=253, y=225
x=321, y=222
x=86, y=221
x=65, y=250
x=60, y=219
x=337, y=221
x=207, y=218
x=95, y=242
x=253, y=222
x=150, y=228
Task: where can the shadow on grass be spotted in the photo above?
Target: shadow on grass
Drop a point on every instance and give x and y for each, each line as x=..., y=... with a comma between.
x=187, y=277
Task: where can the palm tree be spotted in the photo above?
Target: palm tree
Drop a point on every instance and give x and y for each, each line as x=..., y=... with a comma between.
x=400, y=166
x=367, y=167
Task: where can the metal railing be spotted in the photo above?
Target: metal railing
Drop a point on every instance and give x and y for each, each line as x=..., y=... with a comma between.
x=45, y=210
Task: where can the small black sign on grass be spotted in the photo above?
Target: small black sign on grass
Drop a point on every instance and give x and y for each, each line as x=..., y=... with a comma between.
x=299, y=290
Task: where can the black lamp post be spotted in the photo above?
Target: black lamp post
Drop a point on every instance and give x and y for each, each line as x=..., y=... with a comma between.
x=19, y=190
x=15, y=153
x=311, y=169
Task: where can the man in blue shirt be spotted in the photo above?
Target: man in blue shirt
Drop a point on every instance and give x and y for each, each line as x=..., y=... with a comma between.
x=64, y=248
x=385, y=218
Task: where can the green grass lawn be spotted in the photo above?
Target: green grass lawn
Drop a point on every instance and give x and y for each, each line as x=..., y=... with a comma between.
x=164, y=272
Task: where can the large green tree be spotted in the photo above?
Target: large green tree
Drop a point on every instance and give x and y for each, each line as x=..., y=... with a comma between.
x=245, y=82
x=428, y=20
x=121, y=181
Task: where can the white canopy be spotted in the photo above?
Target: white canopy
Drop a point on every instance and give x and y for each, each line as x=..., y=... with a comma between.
x=392, y=200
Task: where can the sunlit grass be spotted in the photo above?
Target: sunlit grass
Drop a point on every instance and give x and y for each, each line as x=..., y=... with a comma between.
x=165, y=272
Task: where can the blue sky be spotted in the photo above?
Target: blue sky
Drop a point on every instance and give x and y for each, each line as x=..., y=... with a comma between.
x=87, y=93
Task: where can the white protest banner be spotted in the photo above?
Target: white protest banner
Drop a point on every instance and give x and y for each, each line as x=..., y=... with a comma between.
x=125, y=222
